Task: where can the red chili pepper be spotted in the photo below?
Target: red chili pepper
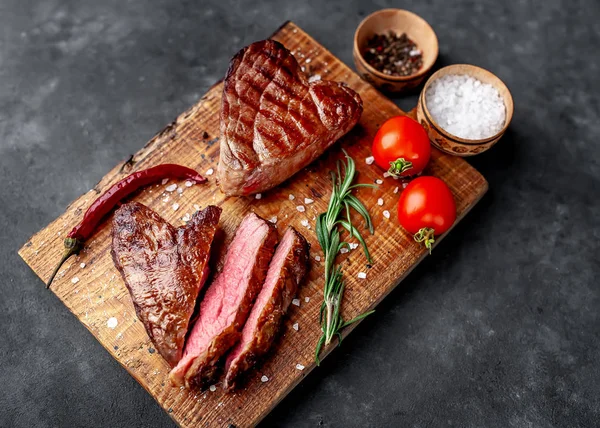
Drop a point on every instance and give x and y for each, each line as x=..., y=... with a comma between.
x=107, y=202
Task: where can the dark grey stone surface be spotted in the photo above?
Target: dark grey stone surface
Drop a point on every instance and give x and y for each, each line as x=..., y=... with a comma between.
x=498, y=328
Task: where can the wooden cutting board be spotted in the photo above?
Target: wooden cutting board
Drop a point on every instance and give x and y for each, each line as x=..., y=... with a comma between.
x=95, y=293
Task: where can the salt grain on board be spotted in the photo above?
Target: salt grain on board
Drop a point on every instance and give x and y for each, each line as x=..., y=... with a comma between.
x=164, y=181
x=386, y=174
x=370, y=160
x=362, y=275
x=188, y=184
x=314, y=78
x=212, y=388
x=353, y=245
x=171, y=187
x=210, y=171
x=396, y=189
x=299, y=367
x=291, y=197
x=273, y=219
x=318, y=258
x=378, y=181
x=296, y=302
x=307, y=299
x=75, y=280
x=112, y=323
x=264, y=379
x=386, y=214
x=295, y=326
x=301, y=208
x=308, y=201
x=258, y=195
x=343, y=250
x=380, y=202
x=82, y=265
x=304, y=223
x=197, y=207
x=186, y=217
x=175, y=206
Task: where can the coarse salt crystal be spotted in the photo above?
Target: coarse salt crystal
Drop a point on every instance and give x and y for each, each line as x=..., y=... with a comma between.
x=75, y=280
x=273, y=219
x=296, y=302
x=189, y=183
x=264, y=379
x=314, y=78
x=197, y=207
x=307, y=299
x=175, y=206
x=466, y=107
x=318, y=258
x=396, y=189
x=362, y=275
x=212, y=388
x=112, y=323
x=82, y=265
x=164, y=181
x=380, y=202
x=353, y=245
x=291, y=197
x=258, y=195
x=186, y=217
x=166, y=199
x=301, y=208
x=299, y=367
x=308, y=201
x=404, y=185
x=308, y=60
x=179, y=190
x=386, y=214
x=378, y=181
x=295, y=326
x=171, y=187
x=370, y=160
x=210, y=171
x=386, y=174
x=304, y=223
x=343, y=250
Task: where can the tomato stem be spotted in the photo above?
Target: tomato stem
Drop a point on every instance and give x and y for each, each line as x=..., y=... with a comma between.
x=425, y=235
x=399, y=166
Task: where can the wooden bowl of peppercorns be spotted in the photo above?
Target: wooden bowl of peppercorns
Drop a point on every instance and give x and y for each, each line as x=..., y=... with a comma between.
x=394, y=49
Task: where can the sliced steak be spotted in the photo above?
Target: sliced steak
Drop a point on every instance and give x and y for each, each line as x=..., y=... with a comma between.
x=273, y=121
x=286, y=271
x=164, y=269
x=227, y=302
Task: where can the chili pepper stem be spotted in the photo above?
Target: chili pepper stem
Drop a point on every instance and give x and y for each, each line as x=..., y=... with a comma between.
x=399, y=166
x=425, y=235
x=72, y=246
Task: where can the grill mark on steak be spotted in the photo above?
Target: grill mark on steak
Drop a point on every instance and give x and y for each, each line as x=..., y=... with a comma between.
x=287, y=269
x=164, y=269
x=273, y=121
x=227, y=302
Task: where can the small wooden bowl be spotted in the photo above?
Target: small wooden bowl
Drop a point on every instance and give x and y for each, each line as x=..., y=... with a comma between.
x=399, y=21
x=444, y=140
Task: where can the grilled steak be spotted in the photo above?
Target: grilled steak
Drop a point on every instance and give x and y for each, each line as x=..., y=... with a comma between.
x=286, y=271
x=273, y=121
x=164, y=269
x=227, y=302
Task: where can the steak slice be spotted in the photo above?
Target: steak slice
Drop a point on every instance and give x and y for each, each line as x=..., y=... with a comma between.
x=164, y=269
x=227, y=302
x=286, y=271
x=273, y=121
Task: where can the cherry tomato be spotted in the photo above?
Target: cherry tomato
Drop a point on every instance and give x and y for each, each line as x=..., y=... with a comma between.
x=401, y=146
x=426, y=208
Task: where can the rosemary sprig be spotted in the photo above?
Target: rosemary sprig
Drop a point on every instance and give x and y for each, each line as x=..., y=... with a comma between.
x=328, y=234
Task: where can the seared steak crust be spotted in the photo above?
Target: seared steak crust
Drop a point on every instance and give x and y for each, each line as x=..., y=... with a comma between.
x=164, y=269
x=273, y=121
x=286, y=271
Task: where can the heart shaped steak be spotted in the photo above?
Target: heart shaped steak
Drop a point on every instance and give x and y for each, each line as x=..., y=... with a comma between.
x=164, y=269
x=273, y=121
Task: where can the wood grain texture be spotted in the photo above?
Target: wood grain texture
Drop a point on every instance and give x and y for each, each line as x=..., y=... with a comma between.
x=96, y=293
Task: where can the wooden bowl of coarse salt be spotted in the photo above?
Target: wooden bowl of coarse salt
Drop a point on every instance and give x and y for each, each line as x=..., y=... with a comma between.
x=464, y=109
